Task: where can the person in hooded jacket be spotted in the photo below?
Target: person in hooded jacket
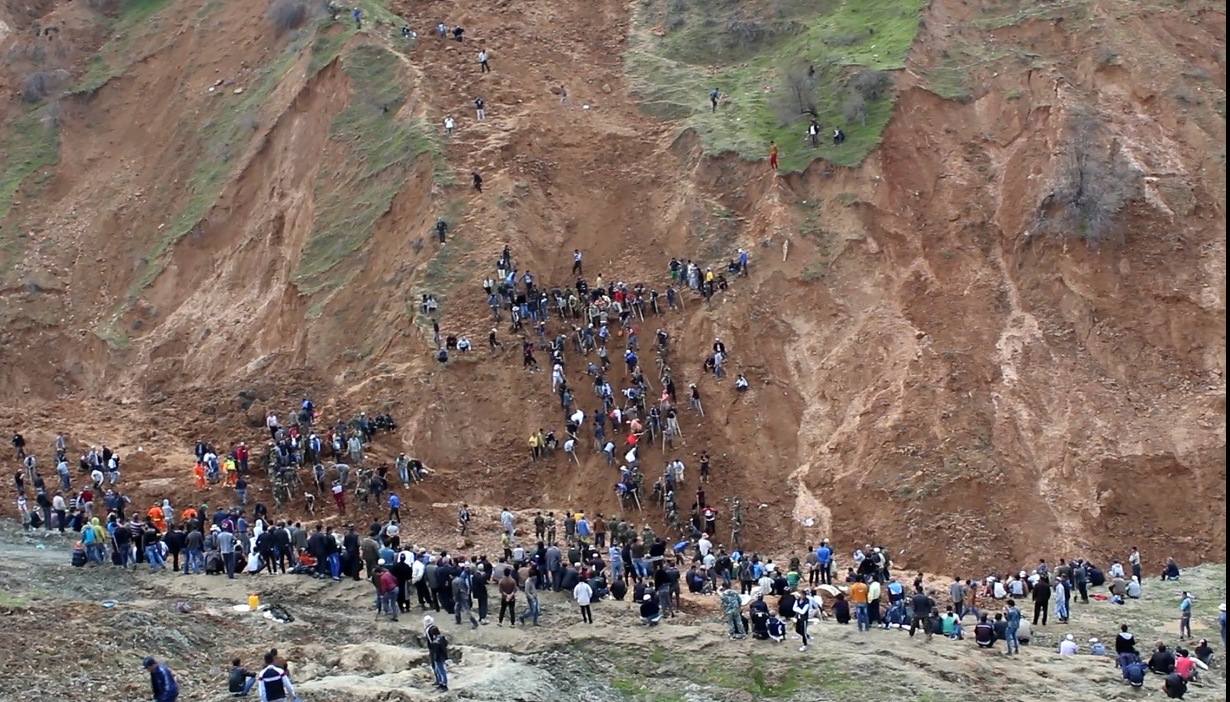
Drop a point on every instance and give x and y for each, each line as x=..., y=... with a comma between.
x=437, y=651
x=1125, y=642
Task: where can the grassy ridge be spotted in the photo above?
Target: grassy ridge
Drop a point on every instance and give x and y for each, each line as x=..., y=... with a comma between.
x=380, y=149
x=749, y=51
x=28, y=145
x=233, y=121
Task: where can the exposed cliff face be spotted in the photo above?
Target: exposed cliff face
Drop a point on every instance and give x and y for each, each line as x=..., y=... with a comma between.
x=942, y=357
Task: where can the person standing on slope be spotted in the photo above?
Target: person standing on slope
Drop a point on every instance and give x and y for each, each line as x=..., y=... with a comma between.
x=802, y=613
x=584, y=594
x=773, y=155
x=437, y=650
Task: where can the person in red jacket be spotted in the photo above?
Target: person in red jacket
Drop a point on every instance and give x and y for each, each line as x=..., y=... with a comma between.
x=241, y=457
x=387, y=582
x=773, y=155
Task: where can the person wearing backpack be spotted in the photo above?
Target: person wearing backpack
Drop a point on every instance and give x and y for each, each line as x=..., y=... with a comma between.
x=437, y=650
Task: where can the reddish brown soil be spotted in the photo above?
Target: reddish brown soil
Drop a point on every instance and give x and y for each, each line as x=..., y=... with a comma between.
x=927, y=374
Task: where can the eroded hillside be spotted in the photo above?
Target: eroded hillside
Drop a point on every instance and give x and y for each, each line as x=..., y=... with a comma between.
x=989, y=327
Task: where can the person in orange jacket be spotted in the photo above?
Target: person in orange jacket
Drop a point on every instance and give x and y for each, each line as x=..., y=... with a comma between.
x=773, y=155
x=158, y=518
x=199, y=471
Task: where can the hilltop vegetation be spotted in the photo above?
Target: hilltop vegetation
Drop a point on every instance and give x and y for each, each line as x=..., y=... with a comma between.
x=777, y=64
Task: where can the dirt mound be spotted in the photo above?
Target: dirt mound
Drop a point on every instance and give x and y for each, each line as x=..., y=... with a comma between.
x=951, y=339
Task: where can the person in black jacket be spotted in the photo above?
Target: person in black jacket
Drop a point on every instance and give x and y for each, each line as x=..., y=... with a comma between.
x=478, y=586
x=1174, y=686
x=350, y=560
x=175, y=544
x=921, y=605
x=984, y=633
x=123, y=543
x=239, y=680
x=1162, y=661
x=264, y=548
x=437, y=649
x=1041, y=595
x=404, y=572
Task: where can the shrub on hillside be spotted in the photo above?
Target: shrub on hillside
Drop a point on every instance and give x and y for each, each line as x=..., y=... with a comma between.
x=1095, y=181
x=796, y=94
x=871, y=84
x=854, y=109
x=285, y=15
x=35, y=87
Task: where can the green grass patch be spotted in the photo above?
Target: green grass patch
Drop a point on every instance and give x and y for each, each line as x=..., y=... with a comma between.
x=9, y=600
x=28, y=146
x=113, y=334
x=381, y=148
x=998, y=14
x=136, y=20
x=222, y=140
x=444, y=270
x=775, y=66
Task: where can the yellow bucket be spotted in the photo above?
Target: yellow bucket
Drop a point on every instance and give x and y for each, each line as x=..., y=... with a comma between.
x=254, y=601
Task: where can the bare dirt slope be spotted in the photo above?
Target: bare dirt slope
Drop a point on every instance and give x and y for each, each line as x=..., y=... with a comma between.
x=932, y=367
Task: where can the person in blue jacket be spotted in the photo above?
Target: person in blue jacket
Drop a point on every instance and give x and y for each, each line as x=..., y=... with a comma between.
x=161, y=681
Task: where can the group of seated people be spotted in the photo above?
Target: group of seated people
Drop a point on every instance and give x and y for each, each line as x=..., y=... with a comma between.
x=1179, y=667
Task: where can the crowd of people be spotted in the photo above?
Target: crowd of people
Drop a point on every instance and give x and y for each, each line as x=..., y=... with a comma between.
x=597, y=557
x=590, y=333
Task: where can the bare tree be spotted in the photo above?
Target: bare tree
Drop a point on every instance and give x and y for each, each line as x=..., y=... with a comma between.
x=854, y=109
x=285, y=15
x=1096, y=180
x=796, y=94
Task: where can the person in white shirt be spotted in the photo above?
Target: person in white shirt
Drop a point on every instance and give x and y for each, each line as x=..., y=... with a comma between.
x=449, y=124
x=24, y=510
x=271, y=422
x=60, y=508
x=1134, y=561
x=570, y=448
x=998, y=591
x=1068, y=646
x=583, y=594
x=1116, y=570
x=704, y=545
x=766, y=580
x=817, y=604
